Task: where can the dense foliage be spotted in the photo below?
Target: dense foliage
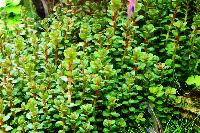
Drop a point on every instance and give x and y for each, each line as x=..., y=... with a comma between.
x=10, y=12
x=90, y=69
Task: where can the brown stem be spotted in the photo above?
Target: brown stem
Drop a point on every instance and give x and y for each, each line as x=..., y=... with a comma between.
x=170, y=25
x=45, y=108
x=1, y=122
x=67, y=9
x=70, y=83
x=84, y=81
x=46, y=54
x=67, y=5
x=174, y=53
x=56, y=55
x=105, y=6
x=63, y=120
x=123, y=3
x=173, y=18
x=99, y=3
x=127, y=40
x=114, y=20
x=95, y=101
x=127, y=44
x=5, y=80
x=136, y=73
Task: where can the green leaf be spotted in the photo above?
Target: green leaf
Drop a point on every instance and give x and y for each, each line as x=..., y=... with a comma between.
x=105, y=113
x=153, y=90
x=132, y=109
x=58, y=124
x=105, y=123
x=122, y=122
x=159, y=102
x=108, y=123
x=115, y=114
x=168, y=62
x=193, y=80
x=61, y=131
x=170, y=91
x=139, y=17
x=13, y=2
x=140, y=117
x=5, y=118
x=57, y=116
x=16, y=10
x=139, y=88
x=16, y=101
x=133, y=101
x=125, y=102
x=140, y=97
x=8, y=128
x=64, y=78
x=160, y=94
x=30, y=126
x=29, y=115
x=151, y=98
x=106, y=130
x=176, y=112
x=116, y=3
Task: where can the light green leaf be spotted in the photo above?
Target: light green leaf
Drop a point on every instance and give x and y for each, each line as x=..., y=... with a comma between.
x=13, y=2
x=16, y=10
x=30, y=126
x=5, y=118
x=115, y=114
x=58, y=124
x=8, y=128
x=151, y=98
x=64, y=78
x=29, y=115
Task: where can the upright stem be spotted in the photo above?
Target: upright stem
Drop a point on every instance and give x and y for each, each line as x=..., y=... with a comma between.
x=170, y=25
x=1, y=112
x=63, y=120
x=127, y=40
x=56, y=54
x=84, y=81
x=46, y=53
x=69, y=82
x=95, y=100
x=123, y=3
x=114, y=20
x=67, y=9
x=105, y=6
x=174, y=53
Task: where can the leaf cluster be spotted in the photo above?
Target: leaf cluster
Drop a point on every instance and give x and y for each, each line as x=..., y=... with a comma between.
x=90, y=70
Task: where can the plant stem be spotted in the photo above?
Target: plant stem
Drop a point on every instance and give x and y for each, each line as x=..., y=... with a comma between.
x=105, y=6
x=174, y=53
x=46, y=53
x=114, y=20
x=123, y=3
x=56, y=54
x=170, y=25
x=84, y=81
x=127, y=40
x=69, y=82
x=67, y=9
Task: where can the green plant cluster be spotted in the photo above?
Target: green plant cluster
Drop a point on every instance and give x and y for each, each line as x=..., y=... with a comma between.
x=194, y=80
x=10, y=13
x=89, y=69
